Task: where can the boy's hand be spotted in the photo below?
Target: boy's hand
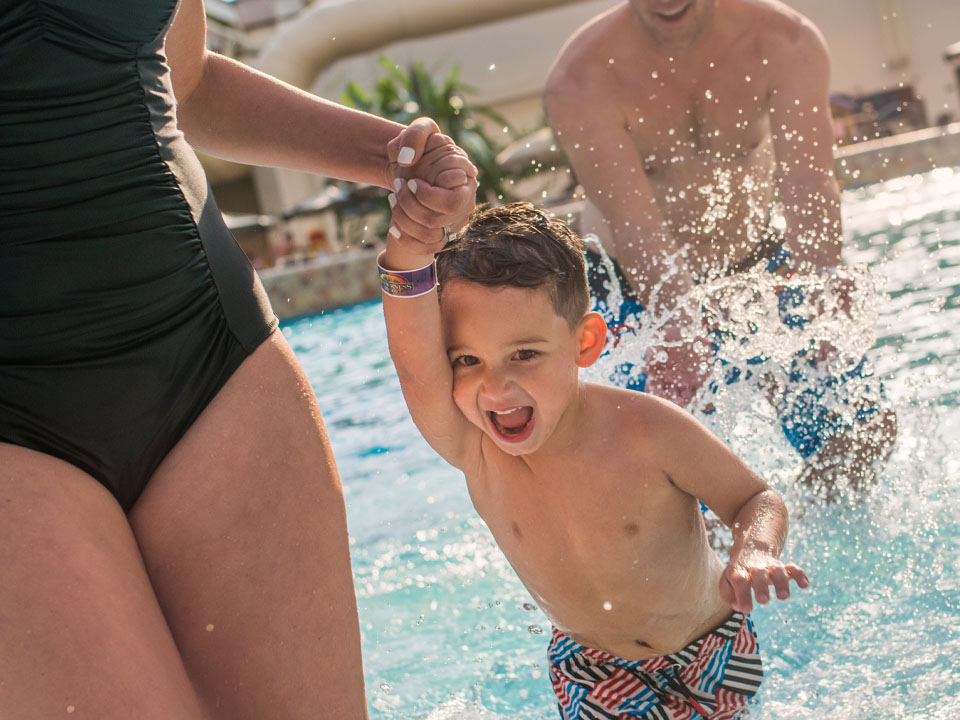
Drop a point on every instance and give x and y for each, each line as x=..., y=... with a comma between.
x=435, y=186
x=754, y=571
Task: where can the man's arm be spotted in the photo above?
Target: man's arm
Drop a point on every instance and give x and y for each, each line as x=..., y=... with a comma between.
x=589, y=127
x=418, y=350
x=802, y=132
x=698, y=463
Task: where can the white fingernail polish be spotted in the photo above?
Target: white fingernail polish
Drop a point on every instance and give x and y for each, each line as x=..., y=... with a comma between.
x=412, y=184
x=394, y=231
x=392, y=199
x=397, y=184
x=405, y=156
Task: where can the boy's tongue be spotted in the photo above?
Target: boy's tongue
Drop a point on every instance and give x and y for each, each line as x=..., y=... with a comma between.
x=513, y=420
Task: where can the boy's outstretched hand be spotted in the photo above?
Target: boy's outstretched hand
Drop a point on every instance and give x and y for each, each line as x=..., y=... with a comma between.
x=752, y=573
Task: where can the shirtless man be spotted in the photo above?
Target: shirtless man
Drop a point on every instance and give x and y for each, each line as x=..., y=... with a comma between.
x=686, y=121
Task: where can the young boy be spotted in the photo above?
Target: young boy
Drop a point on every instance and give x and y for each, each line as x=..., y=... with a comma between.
x=591, y=491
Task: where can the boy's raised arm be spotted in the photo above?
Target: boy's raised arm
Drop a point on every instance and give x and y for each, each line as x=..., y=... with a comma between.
x=698, y=463
x=419, y=353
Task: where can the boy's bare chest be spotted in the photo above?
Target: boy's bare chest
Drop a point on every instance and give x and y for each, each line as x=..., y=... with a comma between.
x=579, y=533
x=619, y=562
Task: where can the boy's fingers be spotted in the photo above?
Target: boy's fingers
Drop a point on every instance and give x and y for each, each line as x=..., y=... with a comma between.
x=442, y=203
x=453, y=178
x=781, y=581
x=432, y=167
x=440, y=147
x=799, y=576
x=761, y=585
x=413, y=140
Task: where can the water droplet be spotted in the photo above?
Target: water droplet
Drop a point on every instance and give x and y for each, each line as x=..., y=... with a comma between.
x=709, y=95
x=535, y=629
x=654, y=75
x=493, y=67
x=385, y=687
x=607, y=605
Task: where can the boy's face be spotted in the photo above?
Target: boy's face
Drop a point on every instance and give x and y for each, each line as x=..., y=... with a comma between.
x=514, y=361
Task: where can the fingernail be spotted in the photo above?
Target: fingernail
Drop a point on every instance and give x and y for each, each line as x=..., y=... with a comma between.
x=397, y=184
x=392, y=199
x=405, y=156
x=412, y=184
x=394, y=231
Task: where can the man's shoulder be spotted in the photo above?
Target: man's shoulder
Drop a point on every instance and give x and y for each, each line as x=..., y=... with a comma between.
x=780, y=30
x=583, y=59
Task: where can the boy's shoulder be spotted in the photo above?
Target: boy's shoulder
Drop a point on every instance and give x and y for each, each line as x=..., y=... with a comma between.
x=621, y=411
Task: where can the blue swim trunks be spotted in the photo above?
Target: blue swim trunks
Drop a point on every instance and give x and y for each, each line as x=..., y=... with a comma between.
x=713, y=677
x=807, y=406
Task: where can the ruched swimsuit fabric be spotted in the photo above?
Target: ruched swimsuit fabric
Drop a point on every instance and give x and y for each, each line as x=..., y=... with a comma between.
x=125, y=303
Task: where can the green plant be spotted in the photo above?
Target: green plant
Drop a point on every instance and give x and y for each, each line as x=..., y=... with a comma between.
x=403, y=95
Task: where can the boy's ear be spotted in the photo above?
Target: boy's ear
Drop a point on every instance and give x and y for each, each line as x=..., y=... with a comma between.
x=593, y=336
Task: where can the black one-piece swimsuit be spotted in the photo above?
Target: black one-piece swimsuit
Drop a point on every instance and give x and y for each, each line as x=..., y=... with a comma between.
x=125, y=303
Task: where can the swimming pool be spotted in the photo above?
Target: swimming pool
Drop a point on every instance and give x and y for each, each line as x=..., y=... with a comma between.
x=449, y=632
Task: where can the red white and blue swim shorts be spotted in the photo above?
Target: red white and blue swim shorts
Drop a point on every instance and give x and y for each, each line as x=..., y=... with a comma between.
x=713, y=677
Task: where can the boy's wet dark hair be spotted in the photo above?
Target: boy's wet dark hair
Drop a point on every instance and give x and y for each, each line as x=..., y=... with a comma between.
x=517, y=245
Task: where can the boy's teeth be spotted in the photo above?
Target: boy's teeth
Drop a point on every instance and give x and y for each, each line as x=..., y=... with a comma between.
x=512, y=419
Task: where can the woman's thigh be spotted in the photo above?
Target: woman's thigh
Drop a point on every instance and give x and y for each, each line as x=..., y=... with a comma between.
x=81, y=633
x=243, y=531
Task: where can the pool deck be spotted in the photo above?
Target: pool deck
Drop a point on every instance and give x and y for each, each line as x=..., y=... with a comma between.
x=906, y=154
x=333, y=281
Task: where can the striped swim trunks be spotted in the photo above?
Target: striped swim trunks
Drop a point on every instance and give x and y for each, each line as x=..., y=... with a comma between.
x=713, y=677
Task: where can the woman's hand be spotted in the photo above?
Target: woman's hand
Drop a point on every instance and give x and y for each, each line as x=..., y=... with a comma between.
x=435, y=187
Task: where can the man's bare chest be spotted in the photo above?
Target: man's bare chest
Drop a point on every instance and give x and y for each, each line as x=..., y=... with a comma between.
x=696, y=125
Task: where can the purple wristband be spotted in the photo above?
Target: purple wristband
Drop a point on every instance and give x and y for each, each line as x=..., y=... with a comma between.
x=407, y=283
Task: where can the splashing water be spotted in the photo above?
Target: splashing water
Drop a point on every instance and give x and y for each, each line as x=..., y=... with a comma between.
x=775, y=342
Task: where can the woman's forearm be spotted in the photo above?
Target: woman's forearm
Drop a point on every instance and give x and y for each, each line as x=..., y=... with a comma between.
x=240, y=114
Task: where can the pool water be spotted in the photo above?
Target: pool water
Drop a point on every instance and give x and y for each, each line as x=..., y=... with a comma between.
x=449, y=631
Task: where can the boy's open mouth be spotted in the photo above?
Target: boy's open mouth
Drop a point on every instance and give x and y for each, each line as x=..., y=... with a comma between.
x=512, y=425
